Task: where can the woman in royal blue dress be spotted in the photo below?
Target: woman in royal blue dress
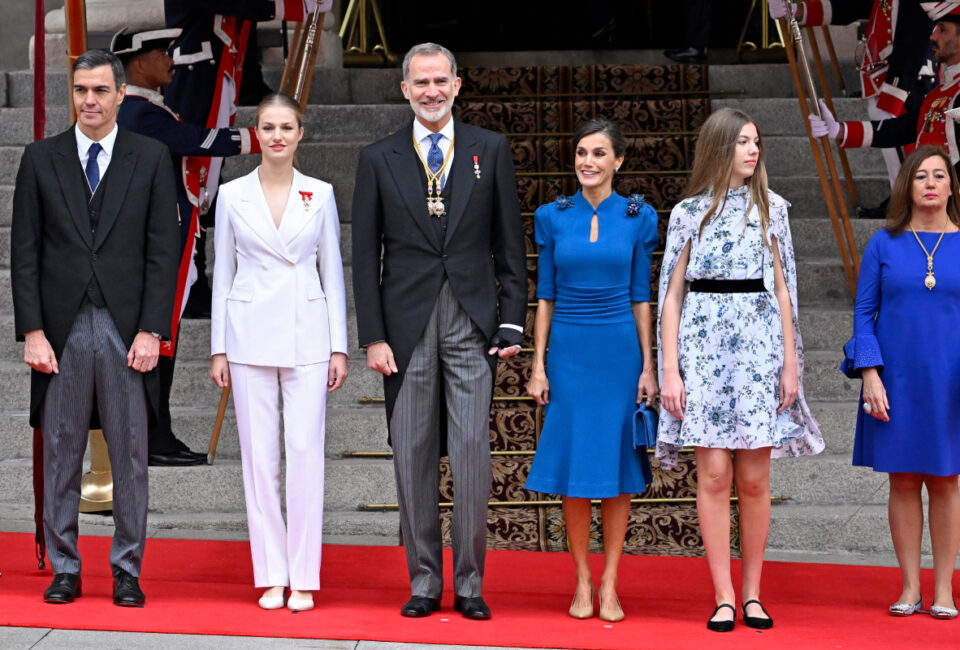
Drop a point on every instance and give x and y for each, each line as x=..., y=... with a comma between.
x=593, y=307
x=905, y=347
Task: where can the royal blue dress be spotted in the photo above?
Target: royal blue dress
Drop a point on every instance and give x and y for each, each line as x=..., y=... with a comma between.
x=911, y=333
x=594, y=359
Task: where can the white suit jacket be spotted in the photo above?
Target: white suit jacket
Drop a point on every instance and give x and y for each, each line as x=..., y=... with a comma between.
x=278, y=294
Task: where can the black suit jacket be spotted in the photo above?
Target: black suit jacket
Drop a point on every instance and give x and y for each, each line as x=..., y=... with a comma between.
x=483, y=245
x=134, y=254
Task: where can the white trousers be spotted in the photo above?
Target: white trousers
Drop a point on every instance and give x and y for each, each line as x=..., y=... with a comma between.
x=282, y=555
x=891, y=155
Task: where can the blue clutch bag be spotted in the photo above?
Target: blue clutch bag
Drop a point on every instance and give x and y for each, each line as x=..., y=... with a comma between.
x=645, y=427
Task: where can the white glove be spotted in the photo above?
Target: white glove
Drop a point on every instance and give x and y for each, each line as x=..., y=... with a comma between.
x=825, y=126
x=778, y=9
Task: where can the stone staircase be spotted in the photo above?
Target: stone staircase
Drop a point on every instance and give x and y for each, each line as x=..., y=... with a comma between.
x=830, y=506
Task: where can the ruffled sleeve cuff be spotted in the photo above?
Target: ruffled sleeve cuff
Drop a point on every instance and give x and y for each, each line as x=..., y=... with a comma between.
x=860, y=352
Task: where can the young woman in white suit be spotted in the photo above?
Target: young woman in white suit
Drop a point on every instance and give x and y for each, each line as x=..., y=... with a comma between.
x=279, y=322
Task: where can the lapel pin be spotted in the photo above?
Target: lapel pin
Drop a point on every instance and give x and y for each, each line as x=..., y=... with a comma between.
x=306, y=197
x=476, y=167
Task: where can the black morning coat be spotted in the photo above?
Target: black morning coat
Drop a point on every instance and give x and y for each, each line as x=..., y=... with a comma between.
x=134, y=254
x=483, y=246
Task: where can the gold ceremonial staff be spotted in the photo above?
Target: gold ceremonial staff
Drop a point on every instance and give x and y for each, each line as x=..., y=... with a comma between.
x=830, y=185
x=297, y=75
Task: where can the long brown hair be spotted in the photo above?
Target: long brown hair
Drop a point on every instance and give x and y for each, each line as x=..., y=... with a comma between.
x=713, y=165
x=900, y=208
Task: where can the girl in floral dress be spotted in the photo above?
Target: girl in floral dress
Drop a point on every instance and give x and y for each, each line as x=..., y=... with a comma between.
x=730, y=353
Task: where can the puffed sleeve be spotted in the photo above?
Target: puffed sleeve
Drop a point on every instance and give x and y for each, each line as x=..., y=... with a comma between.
x=643, y=254
x=546, y=271
x=863, y=349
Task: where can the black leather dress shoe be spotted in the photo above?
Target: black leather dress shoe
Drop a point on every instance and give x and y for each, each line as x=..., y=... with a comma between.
x=177, y=458
x=473, y=608
x=687, y=55
x=64, y=588
x=420, y=606
x=126, y=590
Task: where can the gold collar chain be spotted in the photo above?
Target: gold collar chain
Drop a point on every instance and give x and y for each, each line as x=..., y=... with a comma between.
x=930, y=282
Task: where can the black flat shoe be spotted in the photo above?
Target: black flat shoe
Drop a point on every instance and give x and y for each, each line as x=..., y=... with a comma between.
x=64, y=588
x=722, y=626
x=126, y=590
x=757, y=622
x=473, y=608
x=176, y=459
x=420, y=606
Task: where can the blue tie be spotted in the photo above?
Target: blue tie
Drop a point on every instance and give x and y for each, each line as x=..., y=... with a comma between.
x=93, y=169
x=435, y=156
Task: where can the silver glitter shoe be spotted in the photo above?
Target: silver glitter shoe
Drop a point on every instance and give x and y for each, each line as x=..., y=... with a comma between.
x=945, y=613
x=906, y=609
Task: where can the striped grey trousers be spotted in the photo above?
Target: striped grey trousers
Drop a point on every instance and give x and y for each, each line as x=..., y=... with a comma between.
x=451, y=351
x=94, y=366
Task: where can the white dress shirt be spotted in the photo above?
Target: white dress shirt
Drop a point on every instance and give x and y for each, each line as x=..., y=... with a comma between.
x=422, y=136
x=106, y=151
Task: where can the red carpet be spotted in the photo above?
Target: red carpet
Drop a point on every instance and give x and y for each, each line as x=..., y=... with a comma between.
x=205, y=587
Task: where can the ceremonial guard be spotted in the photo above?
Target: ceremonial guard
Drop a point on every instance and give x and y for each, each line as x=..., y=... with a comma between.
x=208, y=57
x=148, y=68
x=934, y=121
x=894, y=56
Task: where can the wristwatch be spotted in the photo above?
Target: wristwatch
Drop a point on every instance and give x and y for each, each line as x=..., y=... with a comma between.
x=153, y=334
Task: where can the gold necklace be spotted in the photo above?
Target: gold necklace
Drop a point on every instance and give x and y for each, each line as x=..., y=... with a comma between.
x=435, y=205
x=930, y=282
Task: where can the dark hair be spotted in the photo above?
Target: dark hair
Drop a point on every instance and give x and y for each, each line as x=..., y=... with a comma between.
x=279, y=99
x=900, y=208
x=95, y=58
x=605, y=127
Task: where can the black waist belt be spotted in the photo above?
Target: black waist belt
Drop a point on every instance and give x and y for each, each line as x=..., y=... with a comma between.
x=728, y=286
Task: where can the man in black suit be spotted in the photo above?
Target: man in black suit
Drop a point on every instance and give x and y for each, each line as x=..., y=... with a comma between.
x=94, y=253
x=439, y=198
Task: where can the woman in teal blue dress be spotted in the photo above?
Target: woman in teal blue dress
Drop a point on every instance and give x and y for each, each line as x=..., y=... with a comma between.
x=593, y=306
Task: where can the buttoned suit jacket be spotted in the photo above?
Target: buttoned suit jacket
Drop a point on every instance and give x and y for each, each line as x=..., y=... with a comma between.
x=278, y=293
x=483, y=248
x=133, y=255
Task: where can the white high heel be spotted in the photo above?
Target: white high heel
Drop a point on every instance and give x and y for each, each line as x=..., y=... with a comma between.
x=271, y=602
x=295, y=604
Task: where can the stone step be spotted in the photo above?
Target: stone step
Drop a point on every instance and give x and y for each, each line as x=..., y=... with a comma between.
x=349, y=483
x=379, y=85
x=329, y=86
x=763, y=80
x=219, y=487
x=324, y=123
x=815, y=237
x=364, y=428
x=826, y=479
x=835, y=528
x=782, y=115
x=339, y=527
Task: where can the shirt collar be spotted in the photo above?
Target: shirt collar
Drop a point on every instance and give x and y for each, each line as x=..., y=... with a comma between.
x=83, y=142
x=950, y=75
x=420, y=131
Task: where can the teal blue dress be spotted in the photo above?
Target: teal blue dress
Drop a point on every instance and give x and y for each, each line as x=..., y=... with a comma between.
x=594, y=359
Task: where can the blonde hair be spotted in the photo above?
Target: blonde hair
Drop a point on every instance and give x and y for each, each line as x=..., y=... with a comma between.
x=713, y=166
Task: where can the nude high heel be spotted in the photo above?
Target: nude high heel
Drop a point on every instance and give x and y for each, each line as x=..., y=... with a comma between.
x=584, y=611
x=610, y=614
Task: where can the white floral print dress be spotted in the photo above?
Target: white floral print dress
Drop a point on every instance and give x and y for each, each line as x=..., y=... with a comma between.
x=730, y=345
